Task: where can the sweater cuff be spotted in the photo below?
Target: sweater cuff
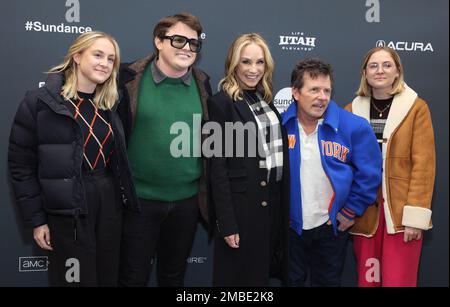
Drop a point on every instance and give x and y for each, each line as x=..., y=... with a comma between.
x=416, y=217
x=348, y=213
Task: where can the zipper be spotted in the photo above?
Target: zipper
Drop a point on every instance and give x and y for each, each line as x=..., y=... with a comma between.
x=75, y=222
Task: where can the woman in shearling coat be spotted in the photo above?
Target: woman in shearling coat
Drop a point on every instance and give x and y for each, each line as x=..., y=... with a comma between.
x=250, y=188
x=388, y=237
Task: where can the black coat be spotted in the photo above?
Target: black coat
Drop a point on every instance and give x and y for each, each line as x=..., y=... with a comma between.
x=45, y=156
x=242, y=204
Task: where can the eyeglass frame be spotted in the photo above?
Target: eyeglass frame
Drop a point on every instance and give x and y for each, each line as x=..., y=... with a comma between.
x=188, y=40
x=384, y=66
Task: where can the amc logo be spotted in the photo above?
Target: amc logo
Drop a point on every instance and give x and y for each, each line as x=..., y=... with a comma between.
x=33, y=264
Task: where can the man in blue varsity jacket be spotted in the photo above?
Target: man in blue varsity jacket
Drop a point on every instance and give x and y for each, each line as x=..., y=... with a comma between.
x=335, y=166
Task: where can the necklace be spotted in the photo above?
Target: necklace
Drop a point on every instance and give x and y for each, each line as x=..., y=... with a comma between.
x=381, y=111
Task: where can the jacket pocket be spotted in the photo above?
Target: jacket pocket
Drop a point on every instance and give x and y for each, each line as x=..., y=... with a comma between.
x=238, y=180
x=58, y=194
x=400, y=167
x=57, y=160
x=398, y=195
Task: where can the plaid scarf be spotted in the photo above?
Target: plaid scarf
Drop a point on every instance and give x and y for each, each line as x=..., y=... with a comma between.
x=270, y=137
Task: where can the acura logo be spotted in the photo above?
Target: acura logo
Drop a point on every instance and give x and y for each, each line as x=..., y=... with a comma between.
x=381, y=43
x=406, y=46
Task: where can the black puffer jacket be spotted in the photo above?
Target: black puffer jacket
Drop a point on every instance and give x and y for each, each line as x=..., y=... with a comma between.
x=46, y=154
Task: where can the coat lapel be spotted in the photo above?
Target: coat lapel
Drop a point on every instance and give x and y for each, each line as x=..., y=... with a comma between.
x=244, y=111
x=401, y=104
x=361, y=107
x=400, y=107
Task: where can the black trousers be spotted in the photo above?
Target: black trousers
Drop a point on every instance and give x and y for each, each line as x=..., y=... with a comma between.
x=317, y=251
x=163, y=230
x=86, y=249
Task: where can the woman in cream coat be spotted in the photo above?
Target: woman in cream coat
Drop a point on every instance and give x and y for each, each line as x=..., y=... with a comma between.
x=388, y=237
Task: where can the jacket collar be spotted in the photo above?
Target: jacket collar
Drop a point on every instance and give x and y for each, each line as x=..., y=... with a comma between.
x=129, y=71
x=401, y=104
x=331, y=115
x=54, y=84
x=290, y=113
x=51, y=94
x=159, y=76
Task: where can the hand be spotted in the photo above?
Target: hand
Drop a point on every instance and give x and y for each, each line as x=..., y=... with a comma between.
x=232, y=240
x=412, y=234
x=344, y=223
x=41, y=235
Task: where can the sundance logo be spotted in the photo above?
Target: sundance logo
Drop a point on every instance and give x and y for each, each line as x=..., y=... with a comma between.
x=33, y=264
x=72, y=17
x=297, y=41
x=406, y=46
x=283, y=99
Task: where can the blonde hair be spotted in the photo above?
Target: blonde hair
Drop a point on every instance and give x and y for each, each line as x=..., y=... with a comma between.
x=230, y=84
x=106, y=93
x=399, y=84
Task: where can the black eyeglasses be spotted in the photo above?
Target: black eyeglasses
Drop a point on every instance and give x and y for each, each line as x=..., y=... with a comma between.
x=179, y=41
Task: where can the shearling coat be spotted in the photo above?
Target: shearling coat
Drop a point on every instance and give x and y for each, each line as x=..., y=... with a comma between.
x=409, y=160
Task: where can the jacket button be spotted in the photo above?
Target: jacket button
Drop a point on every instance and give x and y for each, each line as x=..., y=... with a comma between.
x=264, y=204
x=263, y=183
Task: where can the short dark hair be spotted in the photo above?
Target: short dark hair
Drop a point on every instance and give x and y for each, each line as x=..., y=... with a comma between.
x=314, y=67
x=167, y=22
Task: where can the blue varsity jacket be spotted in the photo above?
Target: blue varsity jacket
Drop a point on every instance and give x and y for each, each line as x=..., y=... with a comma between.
x=351, y=159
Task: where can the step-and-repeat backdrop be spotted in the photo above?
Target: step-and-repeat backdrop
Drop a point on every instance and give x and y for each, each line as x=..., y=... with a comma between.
x=35, y=36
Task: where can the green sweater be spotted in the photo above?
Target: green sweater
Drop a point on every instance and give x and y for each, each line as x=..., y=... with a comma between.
x=158, y=175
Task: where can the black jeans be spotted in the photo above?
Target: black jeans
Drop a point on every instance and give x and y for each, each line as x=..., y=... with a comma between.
x=320, y=252
x=163, y=229
x=88, y=246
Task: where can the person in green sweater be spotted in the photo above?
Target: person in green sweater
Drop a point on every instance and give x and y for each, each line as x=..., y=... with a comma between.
x=161, y=90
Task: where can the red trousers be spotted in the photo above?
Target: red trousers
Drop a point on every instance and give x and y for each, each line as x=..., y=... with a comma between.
x=385, y=259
